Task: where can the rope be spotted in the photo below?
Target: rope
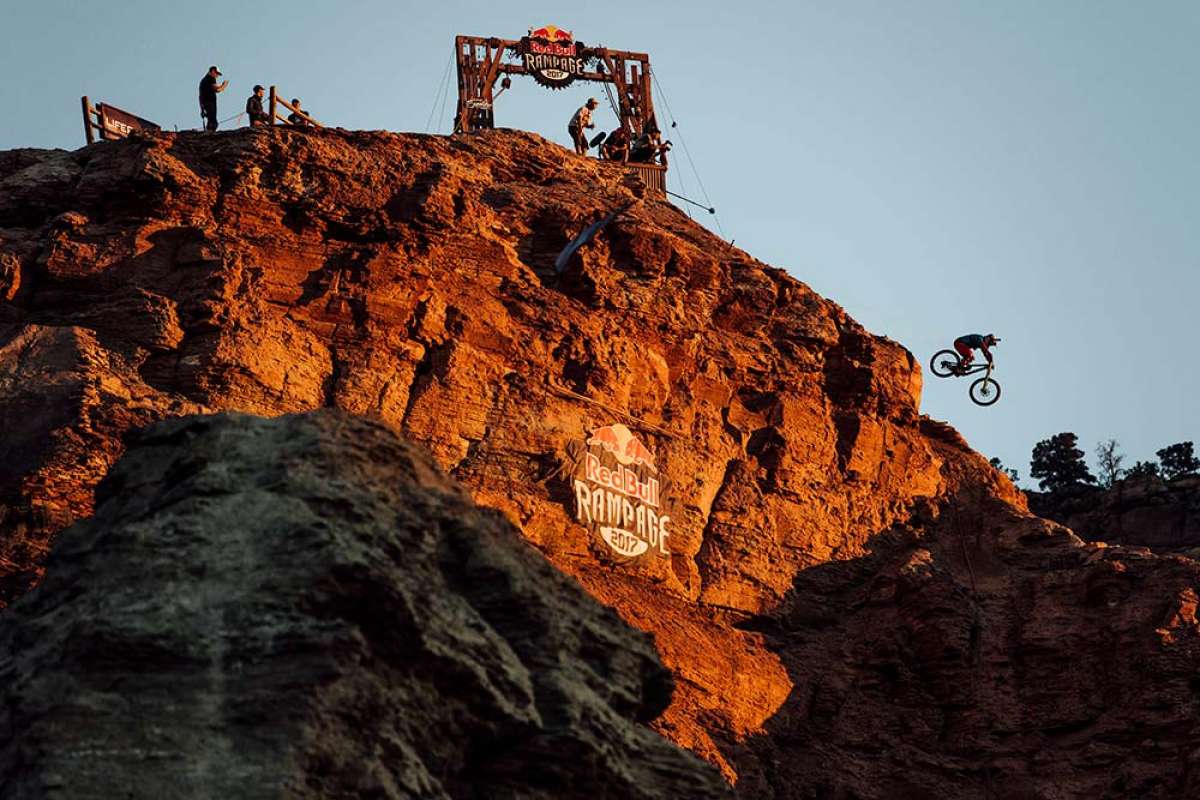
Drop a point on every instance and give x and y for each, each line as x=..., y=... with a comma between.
x=441, y=88
x=235, y=116
x=608, y=91
x=445, y=97
x=686, y=151
x=564, y=392
x=612, y=103
x=682, y=189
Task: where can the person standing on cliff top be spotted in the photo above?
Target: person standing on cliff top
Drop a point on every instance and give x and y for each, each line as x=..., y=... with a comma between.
x=582, y=120
x=969, y=342
x=254, y=108
x=209, y=89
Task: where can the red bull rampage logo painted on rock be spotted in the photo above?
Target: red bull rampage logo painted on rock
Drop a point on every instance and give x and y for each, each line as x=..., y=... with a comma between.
x=618, y=493
x=552, y=56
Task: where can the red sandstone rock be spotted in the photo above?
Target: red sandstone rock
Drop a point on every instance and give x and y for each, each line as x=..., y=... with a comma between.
x=854, y=605
x=1148, y=511
x=304, y=607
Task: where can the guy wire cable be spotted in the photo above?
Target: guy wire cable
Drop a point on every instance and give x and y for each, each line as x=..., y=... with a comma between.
x=438, y=94
x=686, y=151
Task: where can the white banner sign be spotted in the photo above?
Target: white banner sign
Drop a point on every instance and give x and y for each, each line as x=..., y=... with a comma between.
x=618, y=493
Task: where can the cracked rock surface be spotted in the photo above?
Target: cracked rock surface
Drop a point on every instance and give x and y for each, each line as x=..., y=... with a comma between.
x=853, y=603
x=306, y=607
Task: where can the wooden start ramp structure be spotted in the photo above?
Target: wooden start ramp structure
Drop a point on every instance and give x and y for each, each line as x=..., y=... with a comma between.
x=555, y=59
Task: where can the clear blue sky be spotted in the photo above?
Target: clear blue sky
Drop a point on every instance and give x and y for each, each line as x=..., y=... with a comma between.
x=1027, y=167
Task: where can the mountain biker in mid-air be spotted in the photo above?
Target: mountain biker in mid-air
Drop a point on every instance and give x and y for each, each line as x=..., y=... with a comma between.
x=967, y=343
x=985, y=391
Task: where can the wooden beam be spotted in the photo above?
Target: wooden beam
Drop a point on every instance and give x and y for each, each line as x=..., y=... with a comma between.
x=489, y=79
x=618, y=78
x=87, y=120
x=105, y=133
x=635, y=106
x=275, y=99
x=519, y=69
x=271, y=120
x=625, y=54
x=468, y=68
x=647, y=99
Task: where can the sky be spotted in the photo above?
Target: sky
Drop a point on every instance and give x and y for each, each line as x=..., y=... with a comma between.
x=1027, y=168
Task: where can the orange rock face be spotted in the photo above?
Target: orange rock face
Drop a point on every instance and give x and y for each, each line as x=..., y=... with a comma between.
x=855, y=605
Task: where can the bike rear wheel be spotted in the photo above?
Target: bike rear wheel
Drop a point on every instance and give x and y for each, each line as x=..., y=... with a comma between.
x=985, y=391
x=944, y=363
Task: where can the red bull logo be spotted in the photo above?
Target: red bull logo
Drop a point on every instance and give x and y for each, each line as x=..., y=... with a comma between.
x=552, y=56
x=620, y=441
x=551, y=33
x=618, y=494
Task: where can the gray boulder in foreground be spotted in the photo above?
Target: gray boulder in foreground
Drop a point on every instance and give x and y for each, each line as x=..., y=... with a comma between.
x=306, y=607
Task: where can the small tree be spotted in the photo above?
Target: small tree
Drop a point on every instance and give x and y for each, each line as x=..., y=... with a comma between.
x=1143, y=469
x=1178, y=460
x=1108, y=460
x=998, y=465
x=1058, y=463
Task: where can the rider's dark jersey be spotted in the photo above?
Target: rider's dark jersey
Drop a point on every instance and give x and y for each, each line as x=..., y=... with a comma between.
x=973, y=340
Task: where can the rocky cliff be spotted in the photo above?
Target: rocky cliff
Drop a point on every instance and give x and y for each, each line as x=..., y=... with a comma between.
x=304, y=607
x=852, y=602
x=1143, y=512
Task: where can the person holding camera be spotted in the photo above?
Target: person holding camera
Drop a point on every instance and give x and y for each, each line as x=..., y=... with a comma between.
x=209, y=89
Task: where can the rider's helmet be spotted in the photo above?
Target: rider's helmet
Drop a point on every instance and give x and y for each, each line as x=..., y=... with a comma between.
x=991, y=339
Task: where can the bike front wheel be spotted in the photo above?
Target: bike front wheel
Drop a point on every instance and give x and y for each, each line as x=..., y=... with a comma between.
x=985, y=391
x=944, y=363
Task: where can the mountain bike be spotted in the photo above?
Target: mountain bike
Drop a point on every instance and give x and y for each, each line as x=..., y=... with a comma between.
x=948, y=364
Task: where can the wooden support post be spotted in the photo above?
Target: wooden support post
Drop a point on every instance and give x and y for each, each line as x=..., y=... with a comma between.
x=87, y=120
x=647, y=99
x=618, y=79
x=635, y=105
x=462, y=66
x=489, y=83
x=272, y=122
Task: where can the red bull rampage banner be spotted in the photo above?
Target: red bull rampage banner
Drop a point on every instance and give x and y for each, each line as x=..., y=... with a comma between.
x=552, y=56
x=618, y=493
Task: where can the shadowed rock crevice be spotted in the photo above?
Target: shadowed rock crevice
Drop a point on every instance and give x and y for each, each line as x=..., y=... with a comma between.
x=1146, y=512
